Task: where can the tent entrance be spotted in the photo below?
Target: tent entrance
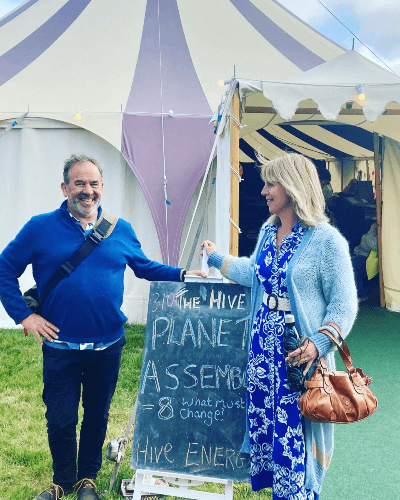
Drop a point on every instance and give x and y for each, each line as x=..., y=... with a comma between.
x=352, y=209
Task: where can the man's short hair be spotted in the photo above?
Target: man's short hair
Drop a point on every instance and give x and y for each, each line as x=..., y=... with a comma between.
x=77, y=159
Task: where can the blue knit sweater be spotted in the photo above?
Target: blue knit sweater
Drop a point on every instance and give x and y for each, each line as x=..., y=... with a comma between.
x=321, y=289
x=86, y=306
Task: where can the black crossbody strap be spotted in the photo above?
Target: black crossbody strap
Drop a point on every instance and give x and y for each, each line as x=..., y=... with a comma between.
x=102, y=229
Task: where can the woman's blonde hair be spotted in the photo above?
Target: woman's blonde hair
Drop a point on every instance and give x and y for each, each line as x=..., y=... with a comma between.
x=298, y=175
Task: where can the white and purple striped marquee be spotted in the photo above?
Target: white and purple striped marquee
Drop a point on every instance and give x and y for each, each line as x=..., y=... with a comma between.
x=144, y=75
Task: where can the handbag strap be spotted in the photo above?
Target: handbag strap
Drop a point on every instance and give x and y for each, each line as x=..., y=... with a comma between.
x=343, y=351
x=101, y=230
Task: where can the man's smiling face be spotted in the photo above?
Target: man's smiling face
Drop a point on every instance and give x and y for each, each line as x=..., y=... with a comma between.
x=83, y=189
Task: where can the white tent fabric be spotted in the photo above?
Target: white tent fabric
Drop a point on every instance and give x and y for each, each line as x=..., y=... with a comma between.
x=30, y=178
x=332, y=84
x=391, y=224
x=61, y=56
x=91, y=64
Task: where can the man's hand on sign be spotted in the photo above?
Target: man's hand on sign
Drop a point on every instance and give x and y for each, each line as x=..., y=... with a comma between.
x=40, y=327
x=208, y=246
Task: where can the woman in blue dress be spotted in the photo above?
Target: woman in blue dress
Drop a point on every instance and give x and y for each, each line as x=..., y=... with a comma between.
x=301, y=266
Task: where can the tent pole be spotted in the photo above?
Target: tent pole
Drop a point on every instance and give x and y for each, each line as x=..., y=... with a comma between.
x=341, y=181
x=378, y=197
x=235, y=179
x=220, y=129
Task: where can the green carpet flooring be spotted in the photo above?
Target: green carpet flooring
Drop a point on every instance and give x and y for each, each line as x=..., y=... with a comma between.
x=366, y=459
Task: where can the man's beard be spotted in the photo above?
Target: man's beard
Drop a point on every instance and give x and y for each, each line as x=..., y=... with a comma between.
x=74, y=205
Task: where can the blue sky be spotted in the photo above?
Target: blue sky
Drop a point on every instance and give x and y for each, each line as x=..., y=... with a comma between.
x=375, y=22
x=7, y=5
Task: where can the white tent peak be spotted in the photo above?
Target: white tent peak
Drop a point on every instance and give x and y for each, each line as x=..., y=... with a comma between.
x=331, y=85
x=347, y=69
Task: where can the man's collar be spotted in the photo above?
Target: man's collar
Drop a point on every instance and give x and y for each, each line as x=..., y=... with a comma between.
x=89, y=225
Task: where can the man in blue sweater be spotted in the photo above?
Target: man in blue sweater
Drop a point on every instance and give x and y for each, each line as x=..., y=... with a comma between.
x=81, y=327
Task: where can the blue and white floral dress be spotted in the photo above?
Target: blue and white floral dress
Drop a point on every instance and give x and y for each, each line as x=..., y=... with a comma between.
x=275, y=423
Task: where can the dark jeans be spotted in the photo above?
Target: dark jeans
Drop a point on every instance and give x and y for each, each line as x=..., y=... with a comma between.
x=65, y=372
x=360, y=274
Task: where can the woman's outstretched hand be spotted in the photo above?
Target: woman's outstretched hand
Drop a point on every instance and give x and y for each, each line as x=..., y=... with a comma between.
x=208, y=246
x=196, y=272
x=306, y=353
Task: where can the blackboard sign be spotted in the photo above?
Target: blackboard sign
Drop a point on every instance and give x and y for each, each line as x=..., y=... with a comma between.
x=192, y=398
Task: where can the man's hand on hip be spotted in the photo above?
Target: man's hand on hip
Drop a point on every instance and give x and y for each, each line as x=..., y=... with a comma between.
x=40, y=327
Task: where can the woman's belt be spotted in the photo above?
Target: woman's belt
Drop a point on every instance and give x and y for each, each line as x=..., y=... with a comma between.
x=275, y=303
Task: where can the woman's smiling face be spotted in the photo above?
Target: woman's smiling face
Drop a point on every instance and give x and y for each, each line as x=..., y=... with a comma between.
x=276, y=196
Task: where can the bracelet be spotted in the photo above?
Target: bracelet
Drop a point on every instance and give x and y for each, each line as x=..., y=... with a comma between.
x=331, y=330
x=182, y=275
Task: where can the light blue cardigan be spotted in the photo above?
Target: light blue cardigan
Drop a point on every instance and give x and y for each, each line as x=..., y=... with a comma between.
x=321, y=289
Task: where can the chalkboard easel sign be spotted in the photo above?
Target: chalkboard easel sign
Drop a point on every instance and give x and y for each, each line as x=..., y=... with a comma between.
x=192, y=399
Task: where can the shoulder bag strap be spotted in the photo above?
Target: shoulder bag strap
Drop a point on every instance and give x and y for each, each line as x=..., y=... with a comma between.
x=343, y=351
x=102, y=230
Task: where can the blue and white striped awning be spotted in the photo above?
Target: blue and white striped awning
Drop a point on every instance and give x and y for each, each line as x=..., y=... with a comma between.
x=318, y=141
x=318, y=113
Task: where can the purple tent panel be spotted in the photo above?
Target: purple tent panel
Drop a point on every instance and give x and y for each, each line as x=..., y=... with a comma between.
x=33, y=46
x=188, y=143
x=293, y=50
x=165, y=80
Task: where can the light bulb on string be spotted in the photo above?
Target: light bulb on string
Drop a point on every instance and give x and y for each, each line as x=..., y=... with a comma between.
x=78, y=116
x=360, y=97
x=222, y=83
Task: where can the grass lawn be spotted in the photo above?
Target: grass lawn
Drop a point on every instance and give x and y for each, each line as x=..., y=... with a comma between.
x=364, y=465
x=25, y=461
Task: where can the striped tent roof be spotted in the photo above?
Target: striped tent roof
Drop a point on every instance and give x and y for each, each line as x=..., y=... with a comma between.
x=317, y=141
x=144, y=75
x=317, y=113
x=321, y=114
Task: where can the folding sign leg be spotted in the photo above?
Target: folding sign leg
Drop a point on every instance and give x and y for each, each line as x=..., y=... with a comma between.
x=139, y=477
x=229, y=490
x=183, y=482
x=121, y=452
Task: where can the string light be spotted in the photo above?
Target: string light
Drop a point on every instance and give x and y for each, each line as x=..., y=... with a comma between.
x=360, y=97
x=79, y=115
x=222, y=83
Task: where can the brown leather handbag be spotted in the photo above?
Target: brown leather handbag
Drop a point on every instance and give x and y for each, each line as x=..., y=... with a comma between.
x=340, y=397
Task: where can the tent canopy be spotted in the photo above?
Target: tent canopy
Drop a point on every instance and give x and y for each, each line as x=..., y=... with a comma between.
x=333, y=125
x=315, y=116
x=144, y=74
